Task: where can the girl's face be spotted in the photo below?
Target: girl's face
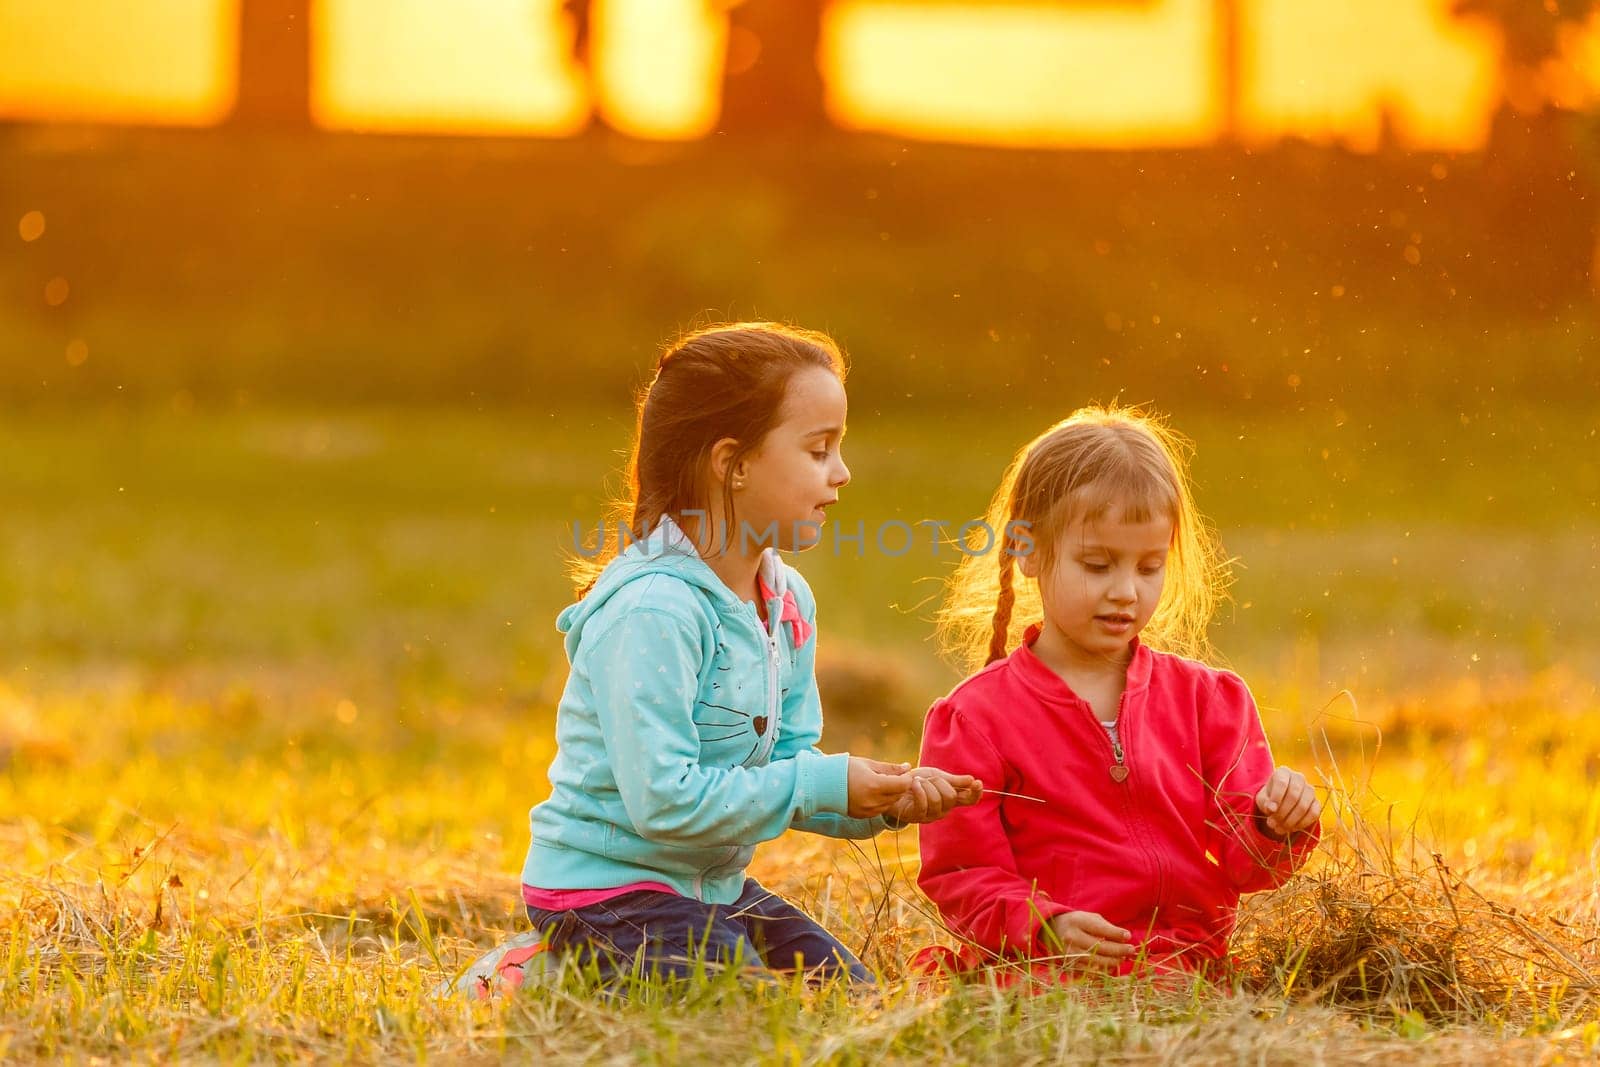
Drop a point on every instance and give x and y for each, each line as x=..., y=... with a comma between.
x=1104, y=582
x=798, y=470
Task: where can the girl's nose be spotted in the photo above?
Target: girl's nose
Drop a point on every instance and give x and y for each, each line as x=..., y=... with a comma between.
x=841, y=473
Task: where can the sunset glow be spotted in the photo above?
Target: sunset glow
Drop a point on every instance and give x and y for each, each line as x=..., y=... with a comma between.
x=1020, y=73
x=166, y=61
x=474, y=65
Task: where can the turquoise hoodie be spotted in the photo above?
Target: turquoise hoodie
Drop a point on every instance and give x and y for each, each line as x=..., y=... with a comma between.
x=686, y=734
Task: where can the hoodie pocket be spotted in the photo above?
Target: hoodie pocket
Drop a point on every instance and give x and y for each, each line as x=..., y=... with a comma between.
x=1062, y=873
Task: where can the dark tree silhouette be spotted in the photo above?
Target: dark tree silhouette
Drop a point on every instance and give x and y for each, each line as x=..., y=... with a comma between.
x=580, y=17
x=274, y=64
x=1530, y=35
x=771, y=82
x=1541, y=182
x=1230, y=66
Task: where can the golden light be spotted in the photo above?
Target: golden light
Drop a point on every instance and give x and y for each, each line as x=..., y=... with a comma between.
x=660, y=61
x=1045, y=72
x=1331, y=71
x=168, y=61
x=466, y=66
x=1036, y=74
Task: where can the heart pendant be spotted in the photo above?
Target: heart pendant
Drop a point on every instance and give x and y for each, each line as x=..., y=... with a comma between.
x=1119, y=772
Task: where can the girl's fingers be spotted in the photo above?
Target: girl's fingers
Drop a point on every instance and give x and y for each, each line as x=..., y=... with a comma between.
x=1096, y=941
x=1097, y=926
x=1117, y=950
x=886, y=768
x=1104, y=953
x=1264, y=802
x=1303, y=813
x=1273, y=792
x=897, y=784
x=917, y=802
x=1299, y=794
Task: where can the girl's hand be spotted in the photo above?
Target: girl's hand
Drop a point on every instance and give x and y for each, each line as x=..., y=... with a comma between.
x=876, y=786
x=1287, y=802
x=934, y=794
x=1088, y=934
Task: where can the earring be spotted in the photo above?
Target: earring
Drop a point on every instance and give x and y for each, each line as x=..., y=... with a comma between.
x=738, y=484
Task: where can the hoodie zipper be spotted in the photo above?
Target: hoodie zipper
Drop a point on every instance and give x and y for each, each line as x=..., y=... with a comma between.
x=1156, y=848
x=1120, y=772
x=774, y=703
x=769, y=739
x=1119, y=769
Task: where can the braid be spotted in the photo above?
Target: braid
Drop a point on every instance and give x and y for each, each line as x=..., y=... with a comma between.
x=1002, y=612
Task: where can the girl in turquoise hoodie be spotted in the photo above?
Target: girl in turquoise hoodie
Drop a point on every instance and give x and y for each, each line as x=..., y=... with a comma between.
x=688, y=728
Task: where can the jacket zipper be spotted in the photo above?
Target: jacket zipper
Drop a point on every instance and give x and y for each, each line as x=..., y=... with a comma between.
x=1119, y=773
x=1119, y=770
x=774, y=712
x=774, y=703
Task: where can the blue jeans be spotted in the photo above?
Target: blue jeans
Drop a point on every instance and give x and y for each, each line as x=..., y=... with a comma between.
x=670, y=934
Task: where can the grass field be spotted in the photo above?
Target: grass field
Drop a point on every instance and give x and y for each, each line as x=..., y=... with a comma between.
x=276, y=690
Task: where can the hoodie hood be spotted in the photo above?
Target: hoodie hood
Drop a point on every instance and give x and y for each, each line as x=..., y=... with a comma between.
x=667, y=550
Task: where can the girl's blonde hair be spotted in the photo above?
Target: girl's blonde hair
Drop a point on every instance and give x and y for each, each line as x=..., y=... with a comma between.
x=717, y=382
x=1076, y=472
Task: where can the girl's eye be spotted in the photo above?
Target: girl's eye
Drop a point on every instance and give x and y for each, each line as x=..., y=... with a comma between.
x=1097, y=568
x=820, y=455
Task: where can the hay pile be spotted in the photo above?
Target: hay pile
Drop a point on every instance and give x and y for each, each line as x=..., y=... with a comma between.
x=1379, y=924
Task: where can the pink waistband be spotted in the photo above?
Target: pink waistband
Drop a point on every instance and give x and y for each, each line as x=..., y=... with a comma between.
x=567, y=899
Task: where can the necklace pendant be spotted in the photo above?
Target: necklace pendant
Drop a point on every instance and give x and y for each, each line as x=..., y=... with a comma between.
x=1119, y=772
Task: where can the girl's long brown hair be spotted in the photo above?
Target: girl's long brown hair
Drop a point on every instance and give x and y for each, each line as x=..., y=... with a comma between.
x=714, y=383
x=1077, y=470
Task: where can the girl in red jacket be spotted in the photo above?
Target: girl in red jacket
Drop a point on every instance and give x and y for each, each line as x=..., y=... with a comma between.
x=1143, y=798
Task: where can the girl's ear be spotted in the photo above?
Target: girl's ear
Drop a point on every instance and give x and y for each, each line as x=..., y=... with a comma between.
x=1029, y=565
x=722, y=454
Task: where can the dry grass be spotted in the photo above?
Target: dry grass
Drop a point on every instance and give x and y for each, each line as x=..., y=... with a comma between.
x=1380, y=927
x=186, y=883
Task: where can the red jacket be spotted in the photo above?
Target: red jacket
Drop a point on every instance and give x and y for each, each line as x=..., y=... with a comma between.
x=1164, y=852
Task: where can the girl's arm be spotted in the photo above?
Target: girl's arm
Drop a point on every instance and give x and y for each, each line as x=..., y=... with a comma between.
x=1237, y=762
x=644, y=674
x=968, y=868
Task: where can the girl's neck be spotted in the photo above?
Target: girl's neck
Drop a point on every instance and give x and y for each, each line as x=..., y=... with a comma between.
x=1079, y=669
x=738, y=572
x=735, y=565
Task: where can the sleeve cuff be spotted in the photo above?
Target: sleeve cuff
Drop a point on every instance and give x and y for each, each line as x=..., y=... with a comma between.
x=1043, y=939
x=1275, y=847
x=824, y=783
